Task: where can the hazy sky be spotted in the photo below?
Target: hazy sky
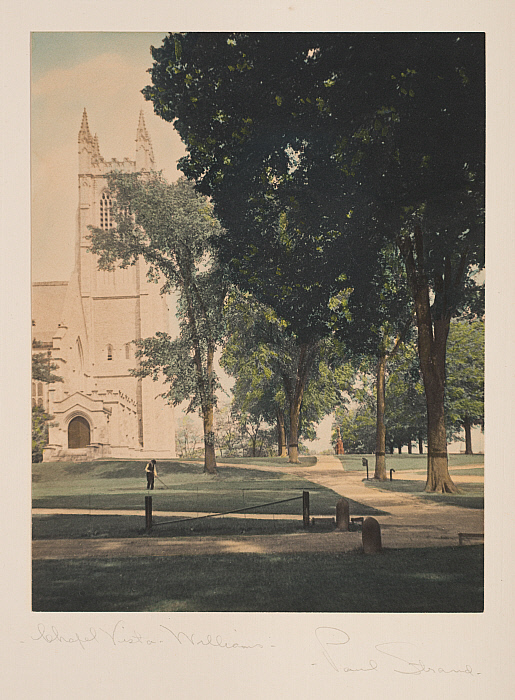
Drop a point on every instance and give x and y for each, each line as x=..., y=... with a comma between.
x=103, y=72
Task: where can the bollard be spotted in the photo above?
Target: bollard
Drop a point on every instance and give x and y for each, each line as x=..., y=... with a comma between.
x=371, y=536
x=305, y=509
x=148, y=513
x=391, y=477
x=342, y=514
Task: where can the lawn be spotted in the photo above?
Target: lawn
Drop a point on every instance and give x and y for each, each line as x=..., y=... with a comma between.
x=448, y=579
x=471, y=495
x=403, y=462
x=181, y=487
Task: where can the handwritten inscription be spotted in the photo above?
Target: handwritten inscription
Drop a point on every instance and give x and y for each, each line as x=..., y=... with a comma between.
x=331, y=640
x=121, y=634
x=335, y=645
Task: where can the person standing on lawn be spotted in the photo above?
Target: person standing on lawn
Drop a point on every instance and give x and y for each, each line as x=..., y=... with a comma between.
x=151, y=471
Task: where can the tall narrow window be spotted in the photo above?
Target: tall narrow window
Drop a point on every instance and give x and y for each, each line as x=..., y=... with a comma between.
x=127, y=351
x=109, y=352
x=105, y=211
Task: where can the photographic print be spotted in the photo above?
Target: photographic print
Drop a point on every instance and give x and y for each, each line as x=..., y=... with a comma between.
x=258, y=321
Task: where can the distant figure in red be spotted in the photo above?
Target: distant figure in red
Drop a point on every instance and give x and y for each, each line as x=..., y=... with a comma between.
x=339, y=444
x=151, y=471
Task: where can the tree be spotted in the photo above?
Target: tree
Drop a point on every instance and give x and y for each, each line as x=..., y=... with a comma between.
x=42, y=371
x=43, y=368
x=319, y=148
x=170, y=226
x=406, y=411
x=187, y=438
x=274, y=369
x=465, y=377
x=357, y=428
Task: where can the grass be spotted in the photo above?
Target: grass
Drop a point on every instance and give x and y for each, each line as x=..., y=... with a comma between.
x=402, y=462
x=448, y=579
x=49, y=527
x=471, y=495
x=309, y=461
x=122, y=486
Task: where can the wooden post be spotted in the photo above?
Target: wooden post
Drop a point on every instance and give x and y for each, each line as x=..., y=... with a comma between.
x=148, y=513
x=305, y=509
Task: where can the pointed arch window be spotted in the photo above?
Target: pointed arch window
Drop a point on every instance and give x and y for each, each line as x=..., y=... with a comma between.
x=37, y=393
x=109, y=352
x=106, y=204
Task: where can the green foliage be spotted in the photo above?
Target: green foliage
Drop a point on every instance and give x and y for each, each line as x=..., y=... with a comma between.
x=42, y=369
x=406, y=412
x=465, y=374
x=302, y=163
x=188, y=441
x=170, y=227
x=357, y=429
x=320, y=149
x=39, y=432
x=264, y=358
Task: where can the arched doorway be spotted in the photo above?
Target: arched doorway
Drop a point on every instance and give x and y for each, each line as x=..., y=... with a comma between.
x=78, y=433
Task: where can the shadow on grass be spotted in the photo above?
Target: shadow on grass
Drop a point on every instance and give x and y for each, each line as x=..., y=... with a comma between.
x=204, y=497
x=446, y=579
x=470, y=496
x=93, y=526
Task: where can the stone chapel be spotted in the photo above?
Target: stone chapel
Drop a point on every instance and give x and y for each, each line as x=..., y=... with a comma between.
x=86, y=327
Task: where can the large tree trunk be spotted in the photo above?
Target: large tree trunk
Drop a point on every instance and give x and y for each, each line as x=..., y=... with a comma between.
x=432, y=346
x=380, y=468
x=294, y=430
x=209, y=441
x=281, y=435
x=432, y=343
x=208, y=413
x=467, y=426
x=303, y=368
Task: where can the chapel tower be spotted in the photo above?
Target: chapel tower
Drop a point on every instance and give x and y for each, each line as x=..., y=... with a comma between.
x=100, y=407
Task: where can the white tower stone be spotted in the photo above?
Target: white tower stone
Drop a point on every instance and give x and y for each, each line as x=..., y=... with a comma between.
x=100, y=409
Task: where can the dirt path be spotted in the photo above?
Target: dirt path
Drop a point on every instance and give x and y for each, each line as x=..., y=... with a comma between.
x=406, y=521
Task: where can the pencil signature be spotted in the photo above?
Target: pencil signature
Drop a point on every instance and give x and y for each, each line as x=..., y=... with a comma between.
x=405, y=658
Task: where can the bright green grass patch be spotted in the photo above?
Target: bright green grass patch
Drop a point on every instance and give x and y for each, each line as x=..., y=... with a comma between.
x=401, y=462
x=307, y=461
x=447, y=579
x=181, y=487
x=471, y=495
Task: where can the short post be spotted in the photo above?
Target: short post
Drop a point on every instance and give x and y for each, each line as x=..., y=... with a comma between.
x=342, y=514
x=371, y=536
x=365, y=464
x=148, y=513
x=305, y=509
x=391, y=477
